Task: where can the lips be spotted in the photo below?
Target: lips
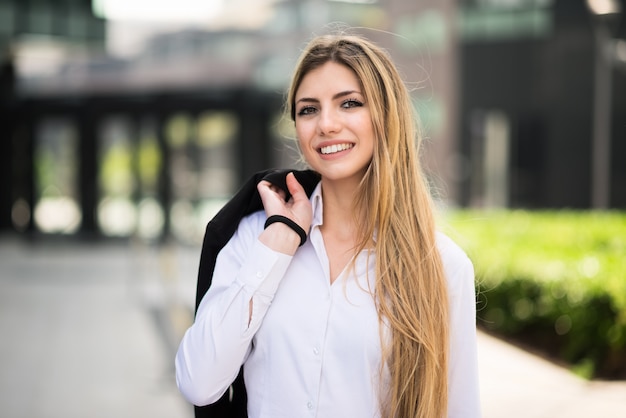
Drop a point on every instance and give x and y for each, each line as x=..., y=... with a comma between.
x=334, y=148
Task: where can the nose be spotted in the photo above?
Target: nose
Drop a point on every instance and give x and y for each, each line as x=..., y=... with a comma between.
x=328, y=122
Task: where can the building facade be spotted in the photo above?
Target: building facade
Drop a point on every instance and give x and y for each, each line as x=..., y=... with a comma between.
x=150, y=145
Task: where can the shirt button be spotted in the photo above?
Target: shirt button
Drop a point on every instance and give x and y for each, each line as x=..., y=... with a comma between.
x=309, y=405
x=316, y=351
x=259, y=274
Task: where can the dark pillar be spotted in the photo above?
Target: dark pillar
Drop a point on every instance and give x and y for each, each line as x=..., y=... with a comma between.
x=254, y=141
x=88, y=170
x=7, y=130
x=164, y=187
x=25, y=148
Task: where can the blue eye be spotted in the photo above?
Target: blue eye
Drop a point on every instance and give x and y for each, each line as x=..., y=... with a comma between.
x=351, y=103
x=307, y=110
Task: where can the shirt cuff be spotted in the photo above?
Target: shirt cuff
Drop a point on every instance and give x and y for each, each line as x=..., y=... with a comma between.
x=264, y=271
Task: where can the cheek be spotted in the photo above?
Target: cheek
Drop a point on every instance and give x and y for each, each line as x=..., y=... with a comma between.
x=304, y=135
x=302, y=141
x=368, y=135
x=302, y=128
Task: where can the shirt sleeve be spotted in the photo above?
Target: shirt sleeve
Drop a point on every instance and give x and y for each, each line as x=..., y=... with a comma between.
x=463, y=389
x=218, y=342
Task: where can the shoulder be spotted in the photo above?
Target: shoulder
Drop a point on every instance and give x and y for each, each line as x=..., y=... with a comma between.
x=449, y=249
x=251, y=225
x=245, y=232
x=456, y=263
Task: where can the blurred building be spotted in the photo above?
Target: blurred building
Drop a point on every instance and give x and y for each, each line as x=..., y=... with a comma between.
x=530, y=85
x=149, y=144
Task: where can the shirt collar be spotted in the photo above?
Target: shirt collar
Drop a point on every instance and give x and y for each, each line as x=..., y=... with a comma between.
x=317, y=205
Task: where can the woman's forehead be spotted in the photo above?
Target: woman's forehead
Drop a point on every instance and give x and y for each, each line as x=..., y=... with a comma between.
x=331, y=78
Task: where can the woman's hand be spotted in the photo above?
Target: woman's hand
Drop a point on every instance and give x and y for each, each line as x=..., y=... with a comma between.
x=279, y=236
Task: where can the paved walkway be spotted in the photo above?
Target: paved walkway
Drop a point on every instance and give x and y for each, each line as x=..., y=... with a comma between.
x=516, y=384
x=78, y=337
x=91, y=330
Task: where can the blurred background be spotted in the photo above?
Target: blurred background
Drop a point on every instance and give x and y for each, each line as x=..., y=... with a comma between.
x=125, y=125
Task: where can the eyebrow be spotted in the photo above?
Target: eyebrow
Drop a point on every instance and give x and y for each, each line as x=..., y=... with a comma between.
x=335, y=96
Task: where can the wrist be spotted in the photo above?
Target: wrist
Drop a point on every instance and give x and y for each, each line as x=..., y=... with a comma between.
x=288, y=222
x=281, y=238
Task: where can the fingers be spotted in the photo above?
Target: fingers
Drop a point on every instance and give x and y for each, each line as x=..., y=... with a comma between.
x=266, y=188
x=295, y=188
x=273, y=199
x=300, y=205
x=297, y=208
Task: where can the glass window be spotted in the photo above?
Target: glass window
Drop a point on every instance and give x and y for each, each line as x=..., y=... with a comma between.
x=117, y=214
x=56, y=193
x=150, y=211
x=204, y=169
x=216, y=133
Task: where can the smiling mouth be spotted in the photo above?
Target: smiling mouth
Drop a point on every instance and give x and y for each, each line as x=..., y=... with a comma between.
x=332, y=149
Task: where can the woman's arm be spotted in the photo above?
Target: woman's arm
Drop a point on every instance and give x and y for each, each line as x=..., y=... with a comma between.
x=247, y=274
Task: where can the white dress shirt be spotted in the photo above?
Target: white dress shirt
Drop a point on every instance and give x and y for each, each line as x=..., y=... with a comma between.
x=311, y=348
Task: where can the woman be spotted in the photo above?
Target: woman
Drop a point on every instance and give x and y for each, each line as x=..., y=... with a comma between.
x=347, y=303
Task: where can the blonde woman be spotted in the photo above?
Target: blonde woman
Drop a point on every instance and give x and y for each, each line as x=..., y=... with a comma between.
x=347, y=303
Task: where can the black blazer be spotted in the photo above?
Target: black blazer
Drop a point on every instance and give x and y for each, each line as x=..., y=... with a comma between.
x=233, y=404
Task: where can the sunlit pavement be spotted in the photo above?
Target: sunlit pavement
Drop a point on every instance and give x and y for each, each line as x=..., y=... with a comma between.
x=516, y=384
x=91, y=330
x=78, y=337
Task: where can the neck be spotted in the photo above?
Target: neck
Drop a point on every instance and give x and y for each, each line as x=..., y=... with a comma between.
x=339, y=208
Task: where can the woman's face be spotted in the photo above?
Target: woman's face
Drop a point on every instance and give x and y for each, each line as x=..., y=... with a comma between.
x=333, y=123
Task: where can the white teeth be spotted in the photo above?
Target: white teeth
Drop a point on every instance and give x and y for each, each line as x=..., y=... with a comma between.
x=331, y=149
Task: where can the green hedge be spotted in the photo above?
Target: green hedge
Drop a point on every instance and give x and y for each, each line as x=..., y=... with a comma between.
x=555, y=281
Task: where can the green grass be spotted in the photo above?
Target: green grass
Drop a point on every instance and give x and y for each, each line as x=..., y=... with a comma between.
x=555, y=280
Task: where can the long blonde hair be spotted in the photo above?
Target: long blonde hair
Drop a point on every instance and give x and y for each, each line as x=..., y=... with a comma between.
x=395, y=206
